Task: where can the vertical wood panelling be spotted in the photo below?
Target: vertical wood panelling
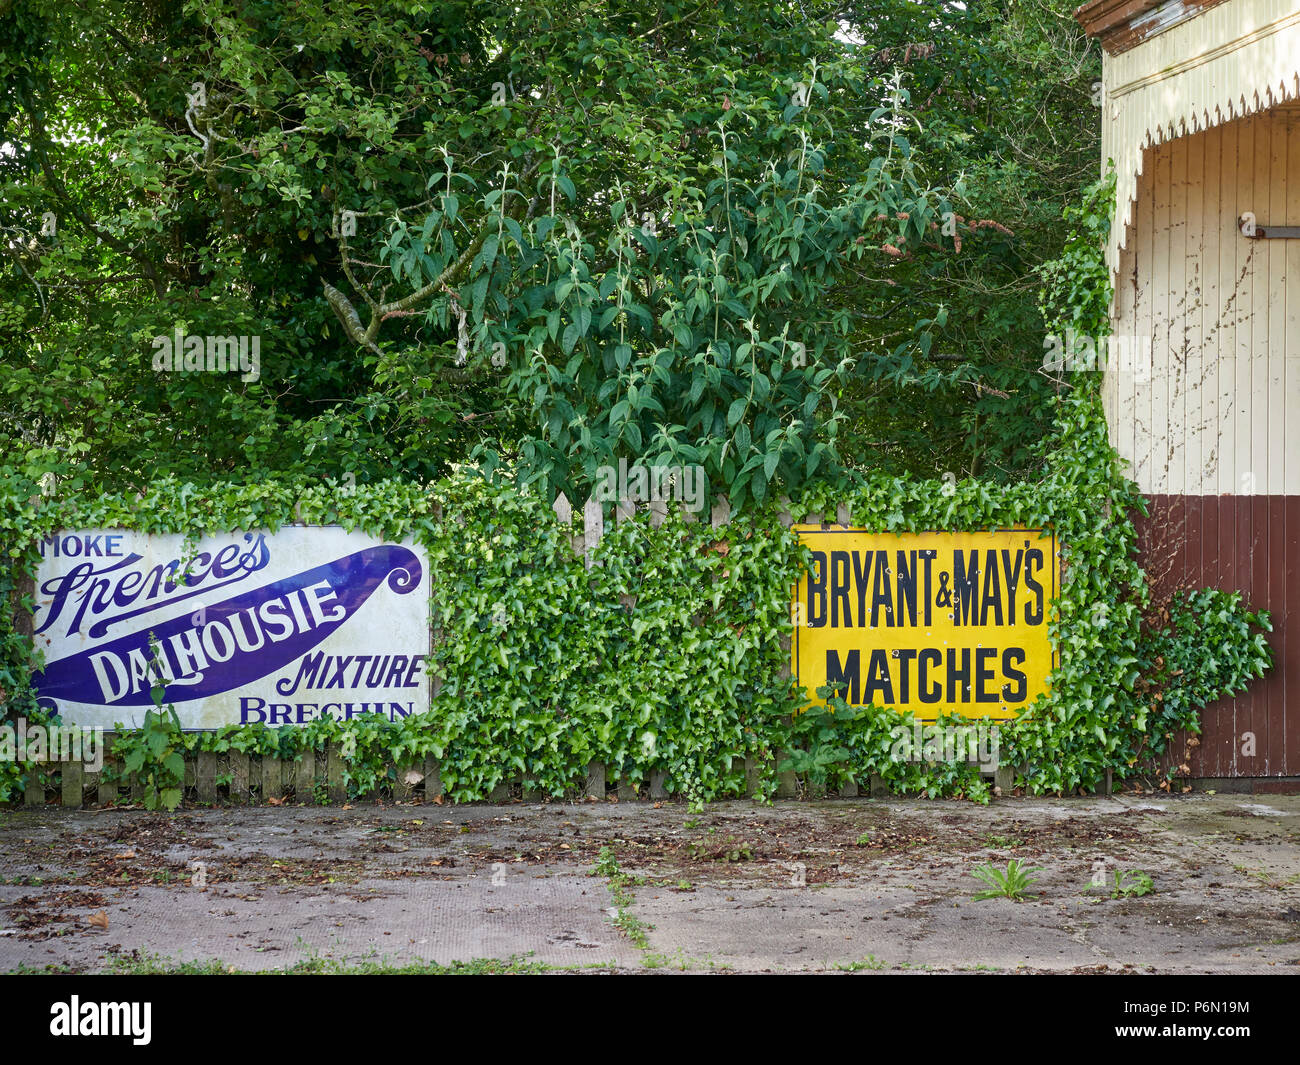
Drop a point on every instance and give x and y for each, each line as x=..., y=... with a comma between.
x=1154, y=464
x=1172, y=443
x=1291, y=356
x=1214, y=436
x=1221, y=403
x=1202, y=72
x=1193, y=465
x=1289, y=660
x=1225, y=334
x=1211, y=229
x=1262, y=709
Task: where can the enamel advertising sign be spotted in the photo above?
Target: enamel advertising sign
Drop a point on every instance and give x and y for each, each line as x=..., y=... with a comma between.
x=931, y=622
x=280, y=628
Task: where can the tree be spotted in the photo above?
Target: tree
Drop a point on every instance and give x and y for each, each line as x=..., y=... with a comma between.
x=540, y=236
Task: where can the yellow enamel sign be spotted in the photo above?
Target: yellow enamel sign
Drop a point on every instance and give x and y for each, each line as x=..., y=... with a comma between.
x=931, y=622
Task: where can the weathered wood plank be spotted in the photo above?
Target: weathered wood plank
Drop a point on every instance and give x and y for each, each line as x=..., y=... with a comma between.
x=106, y=790
x=304, y=776
x=593, y=528
x=205, y=776
x=73, y=785
x=34, y=793
x=432, y=778
x=596, y=781
x=402, y=789
x=787, y=784
x=334, y=774
x=272, y=778
x=239, y=776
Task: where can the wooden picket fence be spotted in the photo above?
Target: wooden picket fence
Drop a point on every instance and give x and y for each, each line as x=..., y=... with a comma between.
x=317, y=776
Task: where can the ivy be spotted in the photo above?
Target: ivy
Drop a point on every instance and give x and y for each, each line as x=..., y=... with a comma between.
x=153, y=755
x=666, y=654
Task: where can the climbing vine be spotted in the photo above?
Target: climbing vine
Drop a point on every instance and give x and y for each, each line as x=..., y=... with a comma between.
x=666, y=653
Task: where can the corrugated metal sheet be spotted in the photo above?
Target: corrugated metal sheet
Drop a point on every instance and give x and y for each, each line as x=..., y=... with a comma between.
x=1235, y=59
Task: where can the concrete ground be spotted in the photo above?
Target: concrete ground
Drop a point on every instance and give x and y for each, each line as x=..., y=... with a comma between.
x=858, y=885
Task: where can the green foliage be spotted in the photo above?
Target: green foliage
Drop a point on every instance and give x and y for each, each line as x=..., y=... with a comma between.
x=949, y=334
x=1131, y=883
x=665, y=654
x=153, y=754
x=582, y=231
x=1211, y=647
x=1010, y=883
x=1076, y=292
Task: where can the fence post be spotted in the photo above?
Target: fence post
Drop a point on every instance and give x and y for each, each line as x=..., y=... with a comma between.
x=107, y=791
x=73, y=785
x=593, y=528
x=272, y=778
x=304, y=775
x=34, y=793
x=432, y=779
x=402, y=788
x=239, y=776
x=205, y=776
x=721, y=513
x=334, y=774
x=564, y=515
x=596, y=780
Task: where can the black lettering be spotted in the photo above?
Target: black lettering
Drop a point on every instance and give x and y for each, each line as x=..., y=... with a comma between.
x=965, y=587
x=839, y=676
x=1012, y=576
x=984, y=673
x=924, y=692
x=958, y=679
x=906, y=587
x=928, y=558
x=1034, y=610
x=817, y=591
x=905, y=657
x=880, y=596
x=840, y=588
x=861, y=571
x=992, y=590
x=878, y=678
x=1021, y=690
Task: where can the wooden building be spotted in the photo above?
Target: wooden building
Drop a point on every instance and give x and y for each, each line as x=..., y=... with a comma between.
x=1200, y=105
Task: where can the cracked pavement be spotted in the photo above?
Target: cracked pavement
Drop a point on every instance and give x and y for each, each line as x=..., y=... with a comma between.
x=855, y=884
